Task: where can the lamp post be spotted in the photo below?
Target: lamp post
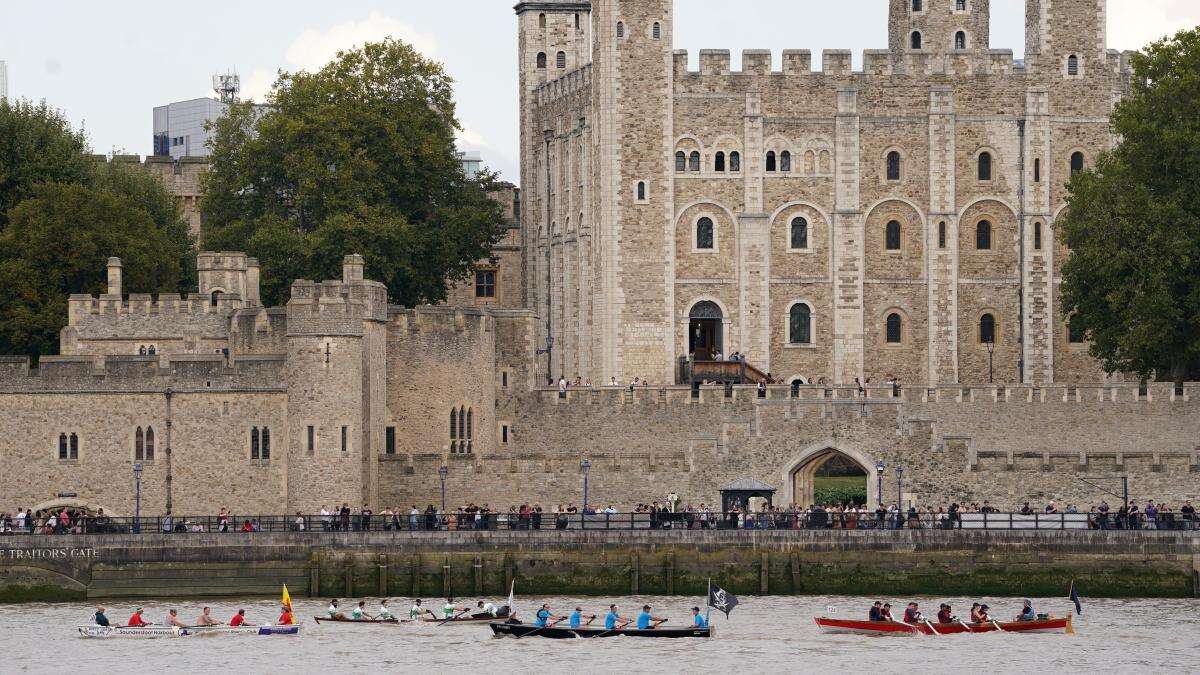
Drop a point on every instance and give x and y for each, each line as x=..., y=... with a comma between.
x=899, y=488
x=585, y=464
x=991, y=347
x=879, y=469
x=442, y=471
x=137, y=498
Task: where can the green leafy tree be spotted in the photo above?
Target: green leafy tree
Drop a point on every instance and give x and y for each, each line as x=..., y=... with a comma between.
x=37, y=145
x=1133, y=224
x=356, y=158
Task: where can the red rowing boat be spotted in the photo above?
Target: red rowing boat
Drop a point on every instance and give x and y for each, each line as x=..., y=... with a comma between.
x=855, y=627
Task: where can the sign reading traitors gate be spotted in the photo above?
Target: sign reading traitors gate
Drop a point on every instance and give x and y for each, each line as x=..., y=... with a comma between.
x=31, y=554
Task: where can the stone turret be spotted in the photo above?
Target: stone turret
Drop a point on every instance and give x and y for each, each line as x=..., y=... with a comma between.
x=114, y=277
x=939, y=27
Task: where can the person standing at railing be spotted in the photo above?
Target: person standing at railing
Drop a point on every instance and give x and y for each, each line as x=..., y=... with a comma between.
x=1151, y=513
x=365, y=518
x=1189, y=515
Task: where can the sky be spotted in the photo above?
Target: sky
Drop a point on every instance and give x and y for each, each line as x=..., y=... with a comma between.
x=107, y=64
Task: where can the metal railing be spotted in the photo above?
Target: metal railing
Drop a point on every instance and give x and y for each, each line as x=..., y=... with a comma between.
x=692, y=520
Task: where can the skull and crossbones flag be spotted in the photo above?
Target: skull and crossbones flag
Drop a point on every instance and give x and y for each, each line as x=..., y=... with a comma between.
x=721, y=599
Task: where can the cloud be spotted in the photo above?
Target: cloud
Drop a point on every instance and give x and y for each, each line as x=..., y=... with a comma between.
x=468, y=138
x=1132, y=24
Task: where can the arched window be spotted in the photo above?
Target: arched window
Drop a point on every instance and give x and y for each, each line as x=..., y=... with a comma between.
x=266, y=444
x=453, y=429
x=735, y=161
x=620, y=29
x=810, y=163
x=800, y=325
x=656, y=31
x=681, y=161
x=1076, y=162
x=987, y=329
x=139, y=445
x=541, y=20
x=541, y=60
x=985, y=166
x=560, y=60
x=149, y=455
x=916, y=40
x=894, y=328
x=470, y=432
x=694, y=161
x=892, y=236
x=771, y=160
x=576, y=20
x=1037, y=236
x=942, y=234
x=62, y=447
x=916, y=5
x=719, y=162
x=1075, y=332
x=74, y=446
x=462, y=429
x=641, y=190
x=215, y=298
x=785, y=161
x=983, y=235
x=1037, y=170
x=254, y=443
x=893, y=165
x=960, y=40
x=826, y=163
x=799, y=238
x=960, y=5
x=704, y=234
x=1072, y=65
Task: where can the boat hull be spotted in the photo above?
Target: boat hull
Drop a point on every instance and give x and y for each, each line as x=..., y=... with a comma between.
x=519, y=630
x=124, y=632
x=855, y=627
x=322, y=621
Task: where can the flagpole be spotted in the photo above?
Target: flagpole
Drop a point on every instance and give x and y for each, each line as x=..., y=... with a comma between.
x=708, y=604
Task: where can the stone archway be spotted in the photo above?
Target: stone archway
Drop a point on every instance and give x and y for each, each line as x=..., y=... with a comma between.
x=800, y=470
x=88, y=507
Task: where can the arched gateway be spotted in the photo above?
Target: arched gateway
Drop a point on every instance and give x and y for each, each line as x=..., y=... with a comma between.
x=800, y=471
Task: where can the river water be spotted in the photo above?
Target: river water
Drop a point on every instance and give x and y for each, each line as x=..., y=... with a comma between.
x=763, y=635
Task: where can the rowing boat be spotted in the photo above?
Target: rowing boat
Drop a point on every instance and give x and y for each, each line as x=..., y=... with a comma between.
x=471, y=618
x=857, y=627
x=109, y=632
x=367, y=622
x=519, y=630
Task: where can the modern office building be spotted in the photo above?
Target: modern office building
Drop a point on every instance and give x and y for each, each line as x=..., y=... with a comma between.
x=472, y=162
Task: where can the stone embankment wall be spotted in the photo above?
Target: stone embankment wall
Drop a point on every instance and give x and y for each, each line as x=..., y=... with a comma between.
x=887, y=563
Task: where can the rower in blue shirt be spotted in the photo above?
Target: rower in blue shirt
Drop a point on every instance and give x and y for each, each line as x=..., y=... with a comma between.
x=544, y=616
x=577, y=618
x=698, y=618
x=646, y=621
x=1027, y=613
x=613, y=618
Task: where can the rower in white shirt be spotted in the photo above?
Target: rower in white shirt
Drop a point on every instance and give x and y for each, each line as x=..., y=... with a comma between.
x=385, y=613
x=418, y=612
x=486, y=608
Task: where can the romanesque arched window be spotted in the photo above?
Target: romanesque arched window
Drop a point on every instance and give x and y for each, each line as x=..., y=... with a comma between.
x=810, y=163
x=892, y=235
x=453, y=429
x=1037, y=170
x=942, y=234
x=895, y=327
x=785, y=161
x=541, y=60
x=800, y=324
x=735, y=161
x=1072, y=65
x=771, y=160
x=985, y=166
x=681, y=161
x=704, y=234
x=916, y=5
x=694, y=161
x=916, y=40
x=1037, y=236
x=139, y=445
x=826, y=167
x=1076, y=162
x=719, y=162
x=799, y=238
x=620, y=29
x=641, y=191
x=987, y=329
x=149, y=450
x=960, y=40
x=893, y=165
x=254, y=443
x=983, y=235
x=560, y=60
x=656, y=31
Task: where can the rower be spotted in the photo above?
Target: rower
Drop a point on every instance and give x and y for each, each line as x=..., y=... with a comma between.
x=876, y=613
x=449, y=609
x=983, y=614
x=285, y=616
x=912, y=614
x=100, y=618
x=975, y=613
x=577, y=618
x=944, y=614
x=1027, y=613
x=544, y=616
x=613, y=618
x=417, y=610
x=239, y=619
x=485, y=609
x=205, y=618
x=646, y=621
x=885, y=614
x=698, y=618
x=385, y=613
x=173, y=619
x=360, y=611
x=334, y=612
x=136, y=621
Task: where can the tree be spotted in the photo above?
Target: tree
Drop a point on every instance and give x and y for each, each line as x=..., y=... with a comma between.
x=356, y=158
x=1133, y=223
x=37, y=145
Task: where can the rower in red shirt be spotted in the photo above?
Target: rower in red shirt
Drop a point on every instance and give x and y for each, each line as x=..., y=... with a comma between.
x=286, y=618
x=239, y=619
x=136, y=621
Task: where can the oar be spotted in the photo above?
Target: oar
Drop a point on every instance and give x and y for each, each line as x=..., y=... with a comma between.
x=964, y=625
x=935, y=631
x=454, y=617
x=549, y=625
x=902, y=621
x=614, y=629
x=998, y=626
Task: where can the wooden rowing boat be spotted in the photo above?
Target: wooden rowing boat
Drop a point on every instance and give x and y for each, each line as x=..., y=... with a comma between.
x=361, y=622
x=470, y=618
x=857, y=627
x=519, y=630
x=110, y=632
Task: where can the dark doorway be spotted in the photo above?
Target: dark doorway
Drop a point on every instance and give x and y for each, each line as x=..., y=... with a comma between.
x=704, y=330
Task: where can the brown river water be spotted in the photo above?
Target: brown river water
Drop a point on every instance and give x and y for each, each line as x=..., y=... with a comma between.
x=763, y=635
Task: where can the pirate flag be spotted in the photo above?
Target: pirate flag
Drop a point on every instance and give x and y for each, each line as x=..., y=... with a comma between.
x=721, y=599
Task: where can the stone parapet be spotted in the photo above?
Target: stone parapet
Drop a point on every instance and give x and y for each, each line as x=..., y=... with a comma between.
x=82, y=374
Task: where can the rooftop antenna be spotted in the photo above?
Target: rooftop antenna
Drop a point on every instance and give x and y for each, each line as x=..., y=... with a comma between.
x=227, y=86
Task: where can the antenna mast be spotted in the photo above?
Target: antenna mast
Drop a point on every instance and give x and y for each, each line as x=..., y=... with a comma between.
x=227, y=86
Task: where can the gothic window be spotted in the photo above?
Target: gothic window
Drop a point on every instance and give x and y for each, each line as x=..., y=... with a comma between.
x=771, y=160
x=785, y=161
x=541, y=60
x=641, y=191
x=541, y=20
x=719, y=162
x=985, y=166
x=681, y=161
x=694, y=161
x=1075, y=333
x=139, y=445
x=63, y=452
x=1037, y=170
x=1072, y=65
x=894, y=326
x=453, y=429
x=800, y=325
x=916, y=40
x=656, y=31
x=983, y=235
x=485, y=284
x=960, y=40
x=893, y=165
x=1037, y=236
x=620, y=29
x=735, y=161
x=560, y=60
x=799, y=239
x=916, y=4
x=266, y=443
x=942, y=234
x=893, y=235
x=960, y=5
x=254, y=443
x=1076, y=162
x=704, y=234
x=149, y=449
x=987, y=329
x=470, y=432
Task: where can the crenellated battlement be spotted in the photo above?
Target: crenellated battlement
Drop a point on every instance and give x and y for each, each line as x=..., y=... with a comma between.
x=179, y=372
x=576, y=81
x=82, y=307
x=876, y=63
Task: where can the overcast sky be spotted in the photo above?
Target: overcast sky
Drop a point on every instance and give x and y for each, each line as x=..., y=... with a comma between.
x=108, y=63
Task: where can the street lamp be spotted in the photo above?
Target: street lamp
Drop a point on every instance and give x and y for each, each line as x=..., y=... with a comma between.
x=991, y=347
x=899, y=488
x=879, y=469
x=442, y=471
x=585, y=464
x=137, y=498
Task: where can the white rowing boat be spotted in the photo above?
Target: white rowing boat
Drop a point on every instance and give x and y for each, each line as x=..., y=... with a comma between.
x=109, y=632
